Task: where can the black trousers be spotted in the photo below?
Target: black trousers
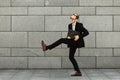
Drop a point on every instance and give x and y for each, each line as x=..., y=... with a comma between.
x=72, y=50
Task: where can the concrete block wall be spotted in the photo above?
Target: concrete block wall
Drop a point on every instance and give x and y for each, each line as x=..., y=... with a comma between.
x=24, y=23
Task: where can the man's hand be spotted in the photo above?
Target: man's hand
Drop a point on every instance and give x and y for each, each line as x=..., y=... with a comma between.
x=68, y=37
x=76, y=37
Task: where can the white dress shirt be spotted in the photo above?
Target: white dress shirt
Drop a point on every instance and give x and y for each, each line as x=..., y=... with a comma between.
x=73, y=27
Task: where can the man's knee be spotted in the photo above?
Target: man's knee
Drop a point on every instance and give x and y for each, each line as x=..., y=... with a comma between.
x=71, y=57
x=63, y=40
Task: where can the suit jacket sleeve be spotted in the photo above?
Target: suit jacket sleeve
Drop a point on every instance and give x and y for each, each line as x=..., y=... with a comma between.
x=84, y=31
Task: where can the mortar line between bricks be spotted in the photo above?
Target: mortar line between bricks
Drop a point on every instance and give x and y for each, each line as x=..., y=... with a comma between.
x=10, y=24
x=60, y=6
x=64, y=15
x=66, y=48
x=11, y=52
x=27, y=11
x=61, y=11
x=105, y=15
x=27, y=39
x=54, y=6
x=61, y=62
x=28, y=62
x=101, y=6
x=59, y=56
x=63, y=6
x=113, y=52
x=44, y=23
x=54, y=31
x=113, y=23
x=96, y=48
x=44, y=54
x=23, y=47
x=95, y=39
x=61, y=37
x=30, y=47
x=95, y=11
x=95, y=61
x=78, y=52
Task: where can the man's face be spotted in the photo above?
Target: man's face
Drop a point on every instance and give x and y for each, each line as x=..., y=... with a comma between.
x=73, y=19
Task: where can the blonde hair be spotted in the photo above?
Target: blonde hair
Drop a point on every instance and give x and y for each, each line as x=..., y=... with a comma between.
x=77, y=16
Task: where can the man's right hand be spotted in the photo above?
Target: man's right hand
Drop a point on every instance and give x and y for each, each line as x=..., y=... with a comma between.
x=68, y=37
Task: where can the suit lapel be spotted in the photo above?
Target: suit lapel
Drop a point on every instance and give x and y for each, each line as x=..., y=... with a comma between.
x=76, y=26
x=71, y=26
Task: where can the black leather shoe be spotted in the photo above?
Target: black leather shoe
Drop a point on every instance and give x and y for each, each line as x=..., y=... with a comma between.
x=43, y=46
x=76, y=74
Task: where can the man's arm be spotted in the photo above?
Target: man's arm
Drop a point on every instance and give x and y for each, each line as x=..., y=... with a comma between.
x=84, y=31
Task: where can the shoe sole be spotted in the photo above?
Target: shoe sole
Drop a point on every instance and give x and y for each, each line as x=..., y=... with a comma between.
x=42, y=43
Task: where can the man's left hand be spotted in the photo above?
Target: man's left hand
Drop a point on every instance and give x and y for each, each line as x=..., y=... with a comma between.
x=76, y=37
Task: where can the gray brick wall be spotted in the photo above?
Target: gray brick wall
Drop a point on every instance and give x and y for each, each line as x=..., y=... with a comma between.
x=24, y=23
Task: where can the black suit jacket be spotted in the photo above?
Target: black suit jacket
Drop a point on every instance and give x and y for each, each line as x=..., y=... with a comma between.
x=83, y=32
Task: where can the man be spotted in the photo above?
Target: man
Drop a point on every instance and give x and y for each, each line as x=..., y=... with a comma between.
x=73, y=44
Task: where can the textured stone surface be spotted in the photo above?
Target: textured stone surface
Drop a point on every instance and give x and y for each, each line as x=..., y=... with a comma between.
x=44, y=62
x=116, y=23
x=28, y=23
x=95, y=52
x=13, y=39
x=56, y=23
x=116, y=52
x=95, y=2
x=4, y=2
x=4, y=52
x=44, y=11
x=27, y=52
x=79, y=10
x=13, y=11
x=27, y=2
x=108, y=10
x=61, y=3
x=13, y=62
x=108, y=62
x=108, y=39
x=116, y=2
x=90, y=40
x=4, y=23
x=97, y=23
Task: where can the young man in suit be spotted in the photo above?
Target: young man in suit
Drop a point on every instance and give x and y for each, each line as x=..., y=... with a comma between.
x=73, y=44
